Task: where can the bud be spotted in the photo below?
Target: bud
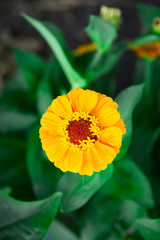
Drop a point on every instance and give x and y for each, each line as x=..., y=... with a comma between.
x=156, y=25
x=112, y=15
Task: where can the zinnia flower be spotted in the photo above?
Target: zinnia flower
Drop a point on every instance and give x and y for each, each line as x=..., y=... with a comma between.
x=148, y=50
x=82, y=131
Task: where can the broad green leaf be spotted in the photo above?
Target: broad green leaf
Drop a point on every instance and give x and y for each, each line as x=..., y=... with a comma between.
x=74, y=78
x=142, y=138
x=147, y=13
x=16, y=82
x=60, y=38
x=6, y=190
x=129, y=182
x=101, y=32
x=99, y=218
x=130, y=211
x=14, y=120
x=44, y=92
x=12, y=153
x=77, y=192
x=144, y=39
x=31, y=65
x=10, y=144
x=58, y=231
x=27, y=220
x=44, y=96
x=127, y=101
x=149, y=228
x=42, y=173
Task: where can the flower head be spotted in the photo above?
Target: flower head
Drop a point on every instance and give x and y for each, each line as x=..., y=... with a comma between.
x=82, y=131
x=148, y=50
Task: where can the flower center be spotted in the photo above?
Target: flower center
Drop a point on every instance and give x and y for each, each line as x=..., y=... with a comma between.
x=80, y=130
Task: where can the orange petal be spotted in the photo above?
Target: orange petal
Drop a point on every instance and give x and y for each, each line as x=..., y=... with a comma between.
x=108, y=117
x=49, y=109
x=55, y=151
x=116, y=148
x=87, y=167
x=111, y=135
x=120, y=124
x=73, y=97
x=106, y=153
x=61, y=106
x=97, y=162
x=71, y=161
x=52, y=117
x=83, y=100
x=74, y=161
x=49, y=141
x=105, y=102
x=48, y=133
x=60, y=164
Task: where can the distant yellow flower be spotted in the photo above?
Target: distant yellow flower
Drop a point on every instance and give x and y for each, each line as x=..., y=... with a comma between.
x=148, y=51
x=82, y=131
x=85, y=48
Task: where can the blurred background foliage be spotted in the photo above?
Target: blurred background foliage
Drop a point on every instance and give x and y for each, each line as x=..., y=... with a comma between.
x=122, y=202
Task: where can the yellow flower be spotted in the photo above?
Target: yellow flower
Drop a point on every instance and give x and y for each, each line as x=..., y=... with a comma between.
x=148, y=51
x=82, y=131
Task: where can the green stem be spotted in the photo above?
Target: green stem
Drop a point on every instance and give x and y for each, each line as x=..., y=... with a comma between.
x=84, y=179
x=148, y=80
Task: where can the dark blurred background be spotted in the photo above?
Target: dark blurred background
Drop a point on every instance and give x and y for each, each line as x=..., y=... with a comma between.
x=71, y=16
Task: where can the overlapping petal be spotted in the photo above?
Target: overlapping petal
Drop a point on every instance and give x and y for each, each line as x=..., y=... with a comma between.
x=61, y=106
x=81, y=99
x=71, y=161
x=108, y=117
x=111, y=136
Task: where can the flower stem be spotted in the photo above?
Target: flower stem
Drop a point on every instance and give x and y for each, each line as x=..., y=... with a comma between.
x=148, y=78
x=84, y=179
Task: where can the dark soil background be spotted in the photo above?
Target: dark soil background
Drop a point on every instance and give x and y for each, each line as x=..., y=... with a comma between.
x=71, y=16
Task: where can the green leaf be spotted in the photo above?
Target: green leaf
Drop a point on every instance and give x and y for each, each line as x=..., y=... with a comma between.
x=27, y=220
x=149, y=228
x=14, y=120
x=147, y=13
x=130, y=183
x=44, y=92
x=127, y=101
x=77, y=191
x=42, y=173
x=74, y=78
x=31, y=65
x=9, y=144
x=58, y=231
x=130, y=211
x=12, y=152
x=44, y=96
x=101, y=32
x=144, y=39
x=15, y=83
